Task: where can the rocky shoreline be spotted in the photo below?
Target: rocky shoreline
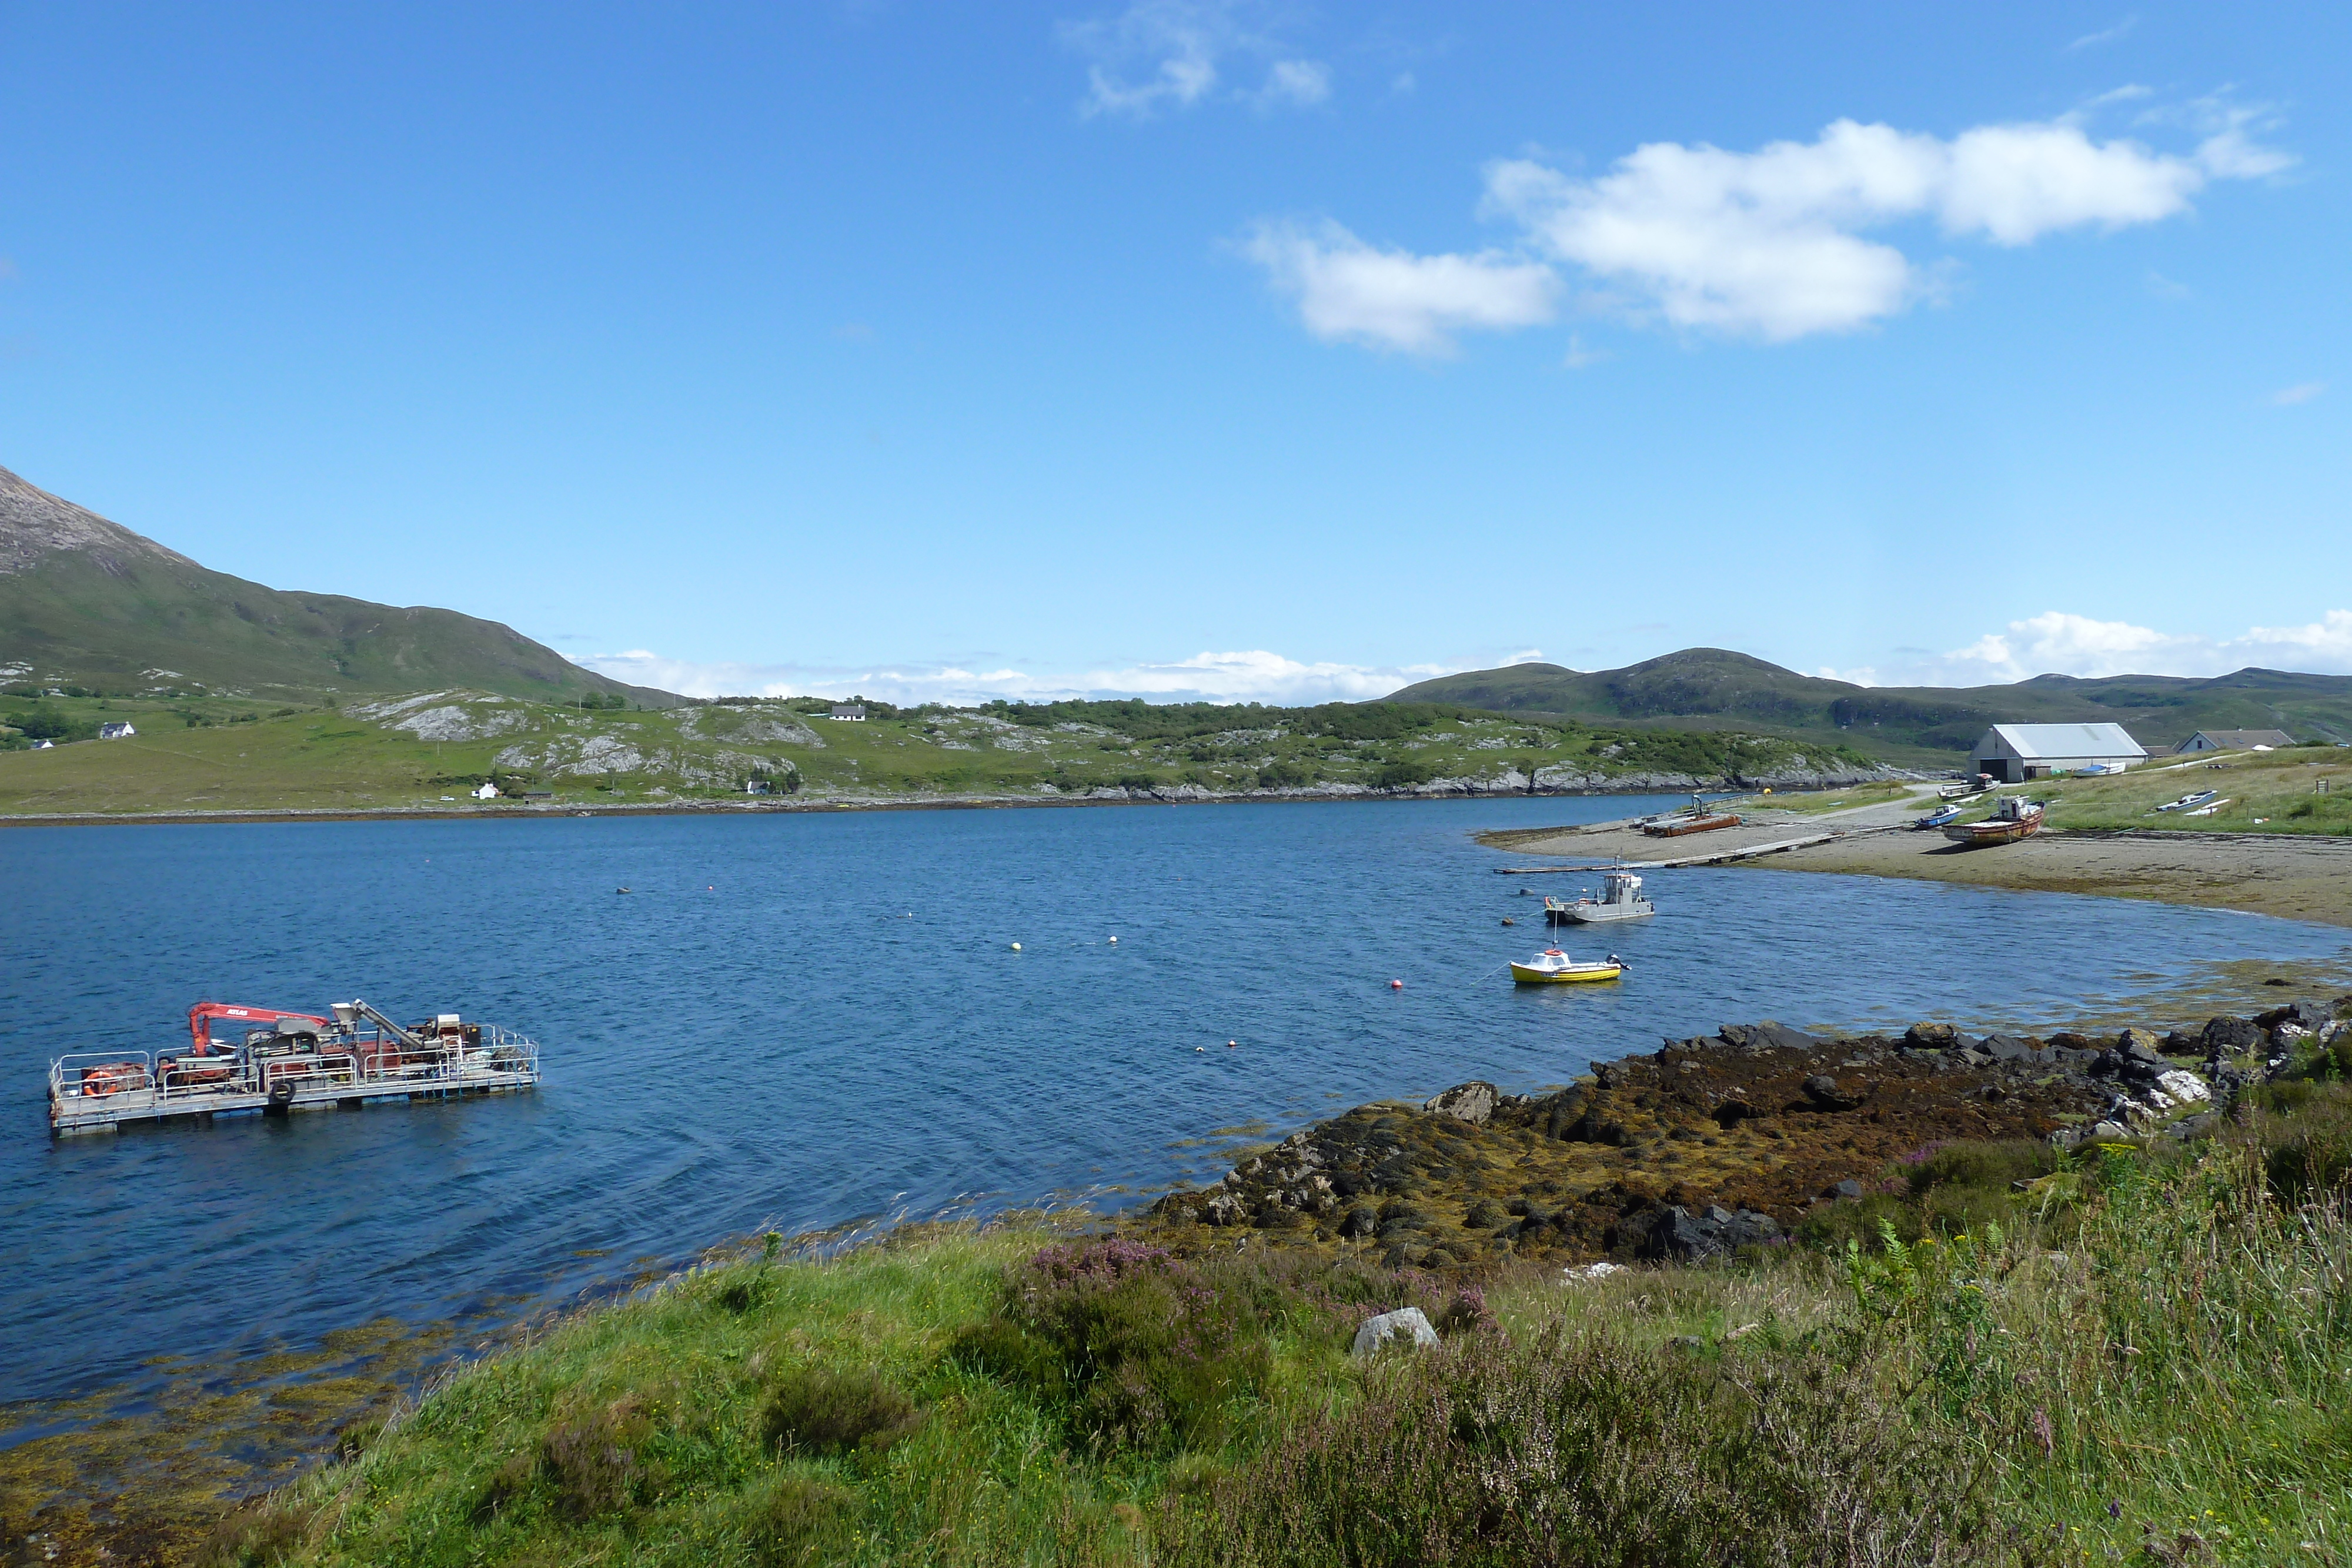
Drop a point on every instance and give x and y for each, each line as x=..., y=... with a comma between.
x=1509, y=782
x=1714, y=1142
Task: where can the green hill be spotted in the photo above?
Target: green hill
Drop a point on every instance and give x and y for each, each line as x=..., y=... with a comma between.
x=1712, y=688
x=85, y=602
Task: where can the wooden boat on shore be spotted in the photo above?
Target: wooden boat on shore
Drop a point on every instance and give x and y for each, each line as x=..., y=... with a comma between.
x=1675, y=827
x=2015, y=818
x=1553, y=967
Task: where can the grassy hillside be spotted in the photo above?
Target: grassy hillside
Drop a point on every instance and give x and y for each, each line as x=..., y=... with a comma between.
x=86, y=602
x=2304, y=790
x=1713, y=688
x=2140, y=1358
x=423, y=750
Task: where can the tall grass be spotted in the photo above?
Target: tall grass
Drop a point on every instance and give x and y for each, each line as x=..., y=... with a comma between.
x=2146, y=1359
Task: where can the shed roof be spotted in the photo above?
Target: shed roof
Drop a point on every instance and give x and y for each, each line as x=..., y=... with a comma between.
x=2061, y=740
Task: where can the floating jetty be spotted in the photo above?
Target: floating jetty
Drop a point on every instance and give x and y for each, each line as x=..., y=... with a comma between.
x=288, y=1061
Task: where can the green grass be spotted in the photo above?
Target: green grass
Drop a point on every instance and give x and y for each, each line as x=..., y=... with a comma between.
x=2146, y=1357
x=377, y=753
x=2267, y=792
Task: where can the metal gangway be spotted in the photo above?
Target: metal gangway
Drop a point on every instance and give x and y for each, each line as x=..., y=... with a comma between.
x=300, y=1063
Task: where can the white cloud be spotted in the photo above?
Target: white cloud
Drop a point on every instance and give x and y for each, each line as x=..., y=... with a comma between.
x=1165, y=54
x=2106, y=35
x=2058, y=644
x=1299, y=83
x=1252, y=676
x=1772, y=243
x=1350, y=290
x=2301, y=391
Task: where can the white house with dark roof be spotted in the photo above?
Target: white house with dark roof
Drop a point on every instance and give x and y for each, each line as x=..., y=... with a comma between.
x=2013, y=753
x=2236, y=741
x=117, y=731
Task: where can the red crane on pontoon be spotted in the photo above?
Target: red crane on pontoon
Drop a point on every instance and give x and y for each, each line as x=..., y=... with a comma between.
x=201, y=1016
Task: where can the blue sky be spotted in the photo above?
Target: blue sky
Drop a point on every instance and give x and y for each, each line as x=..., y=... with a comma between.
x=1257, y=351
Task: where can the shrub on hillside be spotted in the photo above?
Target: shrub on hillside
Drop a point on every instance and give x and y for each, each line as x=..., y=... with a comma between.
x=597, y=1461
x=2308, y=1154
x=798, y=1521
x=1135, y=1348
x=816, y=1411
x=1589, y=1451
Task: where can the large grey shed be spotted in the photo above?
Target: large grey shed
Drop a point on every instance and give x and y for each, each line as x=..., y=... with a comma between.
x=2013, y=753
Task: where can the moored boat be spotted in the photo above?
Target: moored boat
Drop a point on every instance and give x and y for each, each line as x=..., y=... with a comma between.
x=1620, y=899
x=2015, y=818
x=1553, y=967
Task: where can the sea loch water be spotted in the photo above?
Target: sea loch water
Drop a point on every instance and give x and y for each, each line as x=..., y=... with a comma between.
x=800, y=1019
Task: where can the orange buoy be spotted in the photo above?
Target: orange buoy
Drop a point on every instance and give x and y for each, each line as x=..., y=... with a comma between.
x=1396, y=984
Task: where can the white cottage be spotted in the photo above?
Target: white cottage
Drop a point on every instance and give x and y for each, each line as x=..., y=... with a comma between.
x=2013, y=753
x=121, y=731
x=2236, y=741
x=486, y=791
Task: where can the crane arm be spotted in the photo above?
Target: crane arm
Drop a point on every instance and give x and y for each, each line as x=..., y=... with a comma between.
x=200, y=1018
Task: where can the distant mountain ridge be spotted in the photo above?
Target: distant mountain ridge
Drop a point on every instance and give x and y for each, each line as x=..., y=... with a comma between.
x=1714, y=688
x=86, y=601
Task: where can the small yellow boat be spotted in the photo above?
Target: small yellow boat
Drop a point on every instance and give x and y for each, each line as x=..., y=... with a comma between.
x=1553, y=967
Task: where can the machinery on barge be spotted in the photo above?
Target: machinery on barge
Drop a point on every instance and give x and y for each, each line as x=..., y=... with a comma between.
x=283, y=1062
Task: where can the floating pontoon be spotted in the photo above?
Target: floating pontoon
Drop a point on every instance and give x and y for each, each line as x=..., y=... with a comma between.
x=288, y=1061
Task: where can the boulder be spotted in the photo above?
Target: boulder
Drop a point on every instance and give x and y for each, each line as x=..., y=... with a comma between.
x=2309, y=1016
x=1690, y=1235
x=1848, y=1190
x=2229, y=1036
x=1769, y=1036
x=2142, y=1042
x=1828, y=1094
x=1411, y=1324
x=1473, y=1103
x=2017, y=1048
x=1930, y=1036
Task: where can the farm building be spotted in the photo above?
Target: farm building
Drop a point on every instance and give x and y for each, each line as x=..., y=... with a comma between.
x=121, y=731
x=2235, y=740
x=2013, y=753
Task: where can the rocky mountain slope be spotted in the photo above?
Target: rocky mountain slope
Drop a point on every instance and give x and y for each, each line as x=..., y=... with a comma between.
x=85, y=602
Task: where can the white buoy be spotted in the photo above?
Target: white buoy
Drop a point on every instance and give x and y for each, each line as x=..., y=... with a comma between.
x=1232, y=1043
x=1016, y=947
x=1114, y=941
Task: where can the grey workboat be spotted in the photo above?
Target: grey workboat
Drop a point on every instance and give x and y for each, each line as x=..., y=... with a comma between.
x=1620, y=899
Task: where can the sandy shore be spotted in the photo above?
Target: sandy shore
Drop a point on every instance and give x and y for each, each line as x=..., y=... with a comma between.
x=2262, y=874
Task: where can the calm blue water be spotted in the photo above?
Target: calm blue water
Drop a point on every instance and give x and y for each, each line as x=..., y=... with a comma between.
x=758, y=1034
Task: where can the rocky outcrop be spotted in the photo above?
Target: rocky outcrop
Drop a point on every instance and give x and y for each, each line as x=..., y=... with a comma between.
x=1714, y=1144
